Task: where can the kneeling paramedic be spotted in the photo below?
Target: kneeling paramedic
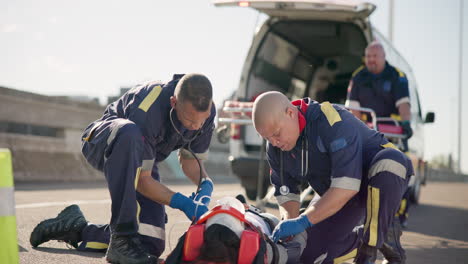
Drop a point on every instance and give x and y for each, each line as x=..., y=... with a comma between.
x=359, y=175
x=136, y=132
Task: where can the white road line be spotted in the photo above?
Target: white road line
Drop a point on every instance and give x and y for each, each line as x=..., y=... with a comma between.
x=38, y=205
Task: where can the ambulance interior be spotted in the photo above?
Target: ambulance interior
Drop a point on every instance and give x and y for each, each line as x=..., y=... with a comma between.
x=304, y=59
x=307, y=59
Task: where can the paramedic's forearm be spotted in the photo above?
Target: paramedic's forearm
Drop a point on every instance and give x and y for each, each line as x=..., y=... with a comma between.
x=404, y=110
x=153, y=189
x=191, y=169
x=289, y=209
x=330, y=203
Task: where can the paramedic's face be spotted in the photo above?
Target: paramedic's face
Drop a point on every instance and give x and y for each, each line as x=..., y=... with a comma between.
x=375, y=59
x=190, y=118
x=282, y=132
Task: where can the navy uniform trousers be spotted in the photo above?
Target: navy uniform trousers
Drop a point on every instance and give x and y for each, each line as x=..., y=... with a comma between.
x=337, y=238
x=116, y=147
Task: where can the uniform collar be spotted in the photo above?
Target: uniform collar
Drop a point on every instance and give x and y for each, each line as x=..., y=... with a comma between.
x=302, y=104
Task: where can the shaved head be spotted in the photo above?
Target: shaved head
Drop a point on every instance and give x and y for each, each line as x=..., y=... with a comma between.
x=276, y=120
x=268, y=108
x=375, y=57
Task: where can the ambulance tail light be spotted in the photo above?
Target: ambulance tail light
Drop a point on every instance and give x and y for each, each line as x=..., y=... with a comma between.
x=244, y=4
x=235, y=131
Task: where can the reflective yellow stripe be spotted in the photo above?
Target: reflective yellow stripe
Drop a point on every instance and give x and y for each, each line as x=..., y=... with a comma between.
x=402, y=207
x=346, y=257
x=400, y=73
x=396, y=117
x=374, y=223
x=330, y=113
x=137, y=177
x=150, y=98
x=96, y=245
x=358, y=70
x=369, y=211
x=389, y=145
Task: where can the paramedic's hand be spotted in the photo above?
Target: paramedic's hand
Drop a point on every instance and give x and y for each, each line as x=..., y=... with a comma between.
x=190, y=208
x=204, y=193
x=406, y=125
x=291, y=227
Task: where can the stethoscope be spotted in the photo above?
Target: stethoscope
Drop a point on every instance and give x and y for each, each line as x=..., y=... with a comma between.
x=184, y=139
x=284, y=190
x=188, y=142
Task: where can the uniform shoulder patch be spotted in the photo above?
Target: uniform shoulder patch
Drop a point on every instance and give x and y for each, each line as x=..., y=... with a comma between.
x=330, y=113
x=400, y=73
x=150, y=98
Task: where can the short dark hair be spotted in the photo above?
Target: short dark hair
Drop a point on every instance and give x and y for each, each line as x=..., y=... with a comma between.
x=196, y=89
x=221, y=245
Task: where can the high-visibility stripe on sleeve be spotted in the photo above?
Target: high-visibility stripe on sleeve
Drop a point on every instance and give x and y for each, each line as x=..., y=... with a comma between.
x=402, y=101
x=151, y=231
x=352, y=103
x=347, y=183
x=150, y=98
x=388, y=165
x=330, y=113
x=187, y=155
x=147, y=165
x=96, y=245
x=346, y=257
x=281, y=199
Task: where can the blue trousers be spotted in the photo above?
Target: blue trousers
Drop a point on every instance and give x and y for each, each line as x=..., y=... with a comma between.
x=366, y=217
x=115, y=147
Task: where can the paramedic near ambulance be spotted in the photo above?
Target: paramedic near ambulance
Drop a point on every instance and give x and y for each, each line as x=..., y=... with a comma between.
x=136, y=132
x=384, y=89
x=359, y=175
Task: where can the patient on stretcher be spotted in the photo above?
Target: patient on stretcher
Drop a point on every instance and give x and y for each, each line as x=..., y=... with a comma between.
x=233, y=232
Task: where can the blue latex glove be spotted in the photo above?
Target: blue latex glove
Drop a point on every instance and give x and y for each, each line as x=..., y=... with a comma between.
x=204, y=193
x=290, y=227
x=190, y=208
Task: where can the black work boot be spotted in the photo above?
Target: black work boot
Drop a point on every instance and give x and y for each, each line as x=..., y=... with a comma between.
x=67, y=227
x=391, y=249
x=366, y=255
x=127, y=249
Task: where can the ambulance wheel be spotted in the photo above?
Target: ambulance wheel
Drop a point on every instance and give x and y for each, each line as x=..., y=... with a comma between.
x=415, y=191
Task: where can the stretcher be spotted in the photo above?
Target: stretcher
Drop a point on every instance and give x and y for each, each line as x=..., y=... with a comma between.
x=388, y=126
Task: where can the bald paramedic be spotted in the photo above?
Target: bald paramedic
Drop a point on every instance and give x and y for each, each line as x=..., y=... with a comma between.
x=127, y=143
x=359, y=175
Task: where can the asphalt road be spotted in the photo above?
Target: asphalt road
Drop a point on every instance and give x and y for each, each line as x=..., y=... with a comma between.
x=437, y=231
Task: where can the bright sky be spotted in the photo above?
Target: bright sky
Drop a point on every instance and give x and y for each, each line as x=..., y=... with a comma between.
x=87, y=47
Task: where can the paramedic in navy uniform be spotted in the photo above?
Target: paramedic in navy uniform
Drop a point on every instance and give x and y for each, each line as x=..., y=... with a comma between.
x=359, y=175
x=384, y=89
x=136, y=132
